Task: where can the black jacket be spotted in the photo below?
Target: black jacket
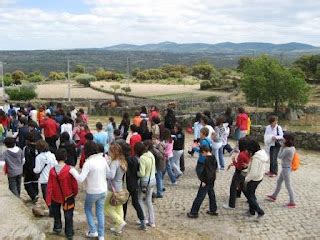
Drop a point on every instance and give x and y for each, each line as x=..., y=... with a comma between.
x=178, y=141
x=30, y=159
x=132, y=174
x=71, y=153
x=208, y=174
x=22, y=135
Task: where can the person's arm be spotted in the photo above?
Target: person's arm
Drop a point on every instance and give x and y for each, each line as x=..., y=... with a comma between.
x=142, y=167
x=74, y=185
x=38, y=166
x=252, y=172
x=280, y=131
x=49, y=187
x=113, y=169
x=84, y=173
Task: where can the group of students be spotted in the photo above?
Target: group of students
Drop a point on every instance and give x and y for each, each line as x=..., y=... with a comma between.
x=132, y=159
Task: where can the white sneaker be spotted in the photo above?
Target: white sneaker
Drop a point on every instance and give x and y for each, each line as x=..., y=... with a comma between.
x=91, y=235
x=138, y=222
x=151, y=225
x=122, y=226
x=100, y=238
x=226, y=206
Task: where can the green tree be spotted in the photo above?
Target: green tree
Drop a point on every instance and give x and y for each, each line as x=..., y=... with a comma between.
x=203, y=70
x=56, y=76
x=309, y=65
x=242, y=63
x=267, y=82
x=115, y=87
x=35, y=77
x=79, y=69
x=23, y=93
x=126, y=90
x=17, y=77
x=85, y=79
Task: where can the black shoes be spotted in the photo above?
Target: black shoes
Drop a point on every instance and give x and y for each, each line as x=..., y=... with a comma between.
x=191, y=215
x=213, y=213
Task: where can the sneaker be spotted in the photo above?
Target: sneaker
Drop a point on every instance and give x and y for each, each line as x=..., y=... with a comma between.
x=179, y=175
x=159, y=196
x=267, y=173
x=259, y=217
x=151, y=225
x=100, y=238
x=273, y=175
x=139, y=222
x=142, y=227
x=222, y=168
x=57, y=231
x=271, y=198
x=248, y=214
x=226, y=206
x=91, y=235
x=121, y=227
x=290, y=205
x=115, y=231
x=212, y=213
x=230, y=153
x=191, y=153
x=174, y=184
x=191, y=215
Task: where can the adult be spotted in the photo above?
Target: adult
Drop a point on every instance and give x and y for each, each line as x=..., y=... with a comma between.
x=286, y=154
x=94, y=174
x=33, y=114
x=124, y=125
x=50, y=128
x=272, y=137
x=144, y=113
x=147, y=180
x=242, y=122
x=111, y=126
x=254, y=176
x=115, y=176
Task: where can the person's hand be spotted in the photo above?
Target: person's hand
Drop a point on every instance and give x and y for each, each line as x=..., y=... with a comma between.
x=230, y=165
x=245, y=164
x=274, y=138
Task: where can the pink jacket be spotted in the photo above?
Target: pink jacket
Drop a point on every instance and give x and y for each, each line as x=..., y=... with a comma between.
x=168, y=150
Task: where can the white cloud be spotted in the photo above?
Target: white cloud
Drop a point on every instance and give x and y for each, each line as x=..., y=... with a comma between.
x=110, y=22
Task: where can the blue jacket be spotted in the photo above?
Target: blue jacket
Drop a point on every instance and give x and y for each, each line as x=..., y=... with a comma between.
x=203, y=142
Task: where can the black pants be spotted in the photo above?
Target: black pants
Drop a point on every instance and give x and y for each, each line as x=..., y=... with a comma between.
x=68, y=218
x=182, y=168
x=202, y=192
x=252, y=199
x=274, y=151
x=237, y=185
x=135, y=204
x=15, y=185
x=44, y=190
x=32, y=189
x=52, y=143
x=228, y=148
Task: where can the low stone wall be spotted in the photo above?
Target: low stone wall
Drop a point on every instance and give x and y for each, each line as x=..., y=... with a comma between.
x=306, y=140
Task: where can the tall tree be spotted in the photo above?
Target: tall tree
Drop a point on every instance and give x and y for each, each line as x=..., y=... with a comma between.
x=266, y=81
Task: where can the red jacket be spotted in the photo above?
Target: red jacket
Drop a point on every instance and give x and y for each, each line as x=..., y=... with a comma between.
x=133, y=140
x=242, y=121
x=50, y=127
x=243, y=158
x=68, y=183
x=5, y=122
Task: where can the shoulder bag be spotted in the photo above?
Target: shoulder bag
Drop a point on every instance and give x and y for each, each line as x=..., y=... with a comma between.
x=121, y=197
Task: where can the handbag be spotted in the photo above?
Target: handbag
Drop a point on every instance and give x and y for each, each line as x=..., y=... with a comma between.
x=119, y=198
x=68, y=202
x=277, y=143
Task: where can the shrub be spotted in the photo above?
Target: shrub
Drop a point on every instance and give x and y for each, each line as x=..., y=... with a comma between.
x=17, y=77
x=7, y=79
x=175, y=74
x=85, y=79
x=126, y=89
x=212, y=99
x=204, y=85
x=57, y=76
x=23, y=93
x=36, y=78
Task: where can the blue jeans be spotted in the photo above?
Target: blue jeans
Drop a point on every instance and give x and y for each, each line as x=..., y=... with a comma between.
x=159, y=183
x=98, y=200
x=170, y=172
x=221, y=158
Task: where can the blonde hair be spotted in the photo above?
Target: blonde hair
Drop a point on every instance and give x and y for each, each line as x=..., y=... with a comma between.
x=116, y=153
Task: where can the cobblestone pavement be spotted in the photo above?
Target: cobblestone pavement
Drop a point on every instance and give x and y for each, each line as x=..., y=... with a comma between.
x=302, y=222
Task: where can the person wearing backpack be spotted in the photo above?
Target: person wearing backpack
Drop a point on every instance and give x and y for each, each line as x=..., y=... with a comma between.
x=286, y=155
x=62, y=190
x=207, y=178
x=204, y=141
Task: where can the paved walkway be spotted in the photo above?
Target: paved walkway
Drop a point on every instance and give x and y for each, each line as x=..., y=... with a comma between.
x=278, y=223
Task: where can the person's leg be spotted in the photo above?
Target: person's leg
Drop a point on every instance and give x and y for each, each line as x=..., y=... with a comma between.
x=125, y=207
x=88, y=204
x=18, y=180
x=216, y=155
x=44, y=190
x=170, y=172
x=13, y=186
x=274, y=159
x=212, y=198
x=136, y=205
x=151, y=218
x=278, y=187
x=141, y=203
x=276, y=153
x=182, y=167
x=109, y=209
x=55, y=211
x=202, y=191
x=68, y=221
x=233, y=190
x=175, y=162
x=100, y=213
x=221, y=158
x=254, y=206
x=118, y=216
x=228, y=148
x=286, y=176
x=159, y=181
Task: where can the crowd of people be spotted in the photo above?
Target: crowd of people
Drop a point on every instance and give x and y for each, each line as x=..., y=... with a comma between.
x=54, y=149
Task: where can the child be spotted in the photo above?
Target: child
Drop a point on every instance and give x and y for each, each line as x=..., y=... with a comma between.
x=62, y=190
x=89, y=140
x=286, y=154
x=204, y=141
x=241, y=163
x=110, y=128
x=44, y=162
x=207, y=178
x=220, y=135
x=101, y=137
x=158, y=152
x=178, y=147
x=14, y=160
x=30, y=178
x=168, y=153
x=137, y=119
x=196, y=131
x=135, y=138
x=70, y=148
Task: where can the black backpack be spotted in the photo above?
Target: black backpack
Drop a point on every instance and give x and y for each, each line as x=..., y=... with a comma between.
x=208, y=174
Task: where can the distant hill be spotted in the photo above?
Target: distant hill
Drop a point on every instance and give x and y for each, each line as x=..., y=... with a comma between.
x=225, y=47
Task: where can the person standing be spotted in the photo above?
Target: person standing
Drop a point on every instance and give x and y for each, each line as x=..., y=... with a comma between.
x=94, y=174
x=50, y=128
x=124, y=125
x=170, y=119
x=207, y=179
x=178, y=148
x=286, y=154
x=135, y=138
x=110, y=129
x=242, y=122
x=254, y=177
x=62, y=190
x=101, y=137
x=272, y=137
x=70, y=148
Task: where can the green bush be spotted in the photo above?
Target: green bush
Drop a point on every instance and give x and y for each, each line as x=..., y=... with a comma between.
x=56, y=76
x=7, y=79
x=23, y=93
x=36, y=78
x=175, y=74
x=204, y=85
x=85, y=79
x=212, y=99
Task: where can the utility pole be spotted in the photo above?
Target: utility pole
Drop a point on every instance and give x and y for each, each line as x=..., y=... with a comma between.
x=128, y=73
x=69, y=84
x=2, y=80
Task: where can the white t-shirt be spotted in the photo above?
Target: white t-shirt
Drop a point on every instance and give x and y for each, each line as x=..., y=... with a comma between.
x=33, y=115
x=67, y=127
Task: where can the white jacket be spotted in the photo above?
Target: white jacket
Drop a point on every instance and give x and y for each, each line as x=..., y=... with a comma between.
x=94, y=174
x=256, y=167
x=41, y=160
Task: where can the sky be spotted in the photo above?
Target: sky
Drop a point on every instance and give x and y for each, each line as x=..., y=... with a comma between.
x=65, y=24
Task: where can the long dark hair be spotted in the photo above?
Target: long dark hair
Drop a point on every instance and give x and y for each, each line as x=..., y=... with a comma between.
x=289, y=140
x=111, y=119
x=253, y=147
